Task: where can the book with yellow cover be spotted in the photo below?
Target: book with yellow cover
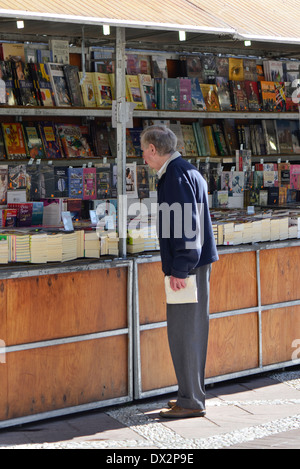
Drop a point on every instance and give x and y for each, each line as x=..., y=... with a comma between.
x=236, y=69
x=87, y=88
x=102, y=88
x=134, y=91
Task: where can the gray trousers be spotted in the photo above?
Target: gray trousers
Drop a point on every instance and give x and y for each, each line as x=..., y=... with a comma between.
x=188, y=326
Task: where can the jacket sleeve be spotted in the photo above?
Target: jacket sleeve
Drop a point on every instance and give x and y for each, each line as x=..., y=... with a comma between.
x=185, y=229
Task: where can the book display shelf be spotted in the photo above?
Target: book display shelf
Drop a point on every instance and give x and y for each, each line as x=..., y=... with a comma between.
x=65, y=150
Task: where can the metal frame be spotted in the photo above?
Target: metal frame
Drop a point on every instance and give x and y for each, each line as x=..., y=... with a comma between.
x=75, y=267
x=259, y=309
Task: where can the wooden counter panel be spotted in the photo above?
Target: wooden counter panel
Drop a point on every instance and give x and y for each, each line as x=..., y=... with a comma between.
x=51, y=378
x=157, y=369
x=280, y=334
x=233, y=282
x=152, y=298
x=232, y=344
x=53, y=306
x=3, y=316
x=3, y=389
x=280, y=274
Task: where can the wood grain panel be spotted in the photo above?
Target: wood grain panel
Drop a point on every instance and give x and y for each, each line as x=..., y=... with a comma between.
x=53, y=306
x=232, y=344
x=3, y=389
x=3, y=306
x=57, y=377
x=157, y=369
x=152, y=298
x=280, y=334
x=233, y=282
x=280, y=273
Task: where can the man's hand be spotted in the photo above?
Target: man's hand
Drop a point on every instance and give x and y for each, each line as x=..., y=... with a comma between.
x=177, y=283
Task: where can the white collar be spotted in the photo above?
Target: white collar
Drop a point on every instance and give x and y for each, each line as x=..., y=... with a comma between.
x=163, y=169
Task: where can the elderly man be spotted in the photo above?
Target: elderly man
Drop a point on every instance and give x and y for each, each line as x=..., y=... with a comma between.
x=187, y=247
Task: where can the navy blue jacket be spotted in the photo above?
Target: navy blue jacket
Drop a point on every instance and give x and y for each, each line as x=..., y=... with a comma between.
x=184, y=224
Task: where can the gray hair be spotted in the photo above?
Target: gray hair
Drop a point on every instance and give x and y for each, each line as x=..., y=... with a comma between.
x=164, y=140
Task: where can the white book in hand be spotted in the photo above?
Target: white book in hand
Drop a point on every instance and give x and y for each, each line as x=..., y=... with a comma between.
x=189, y=294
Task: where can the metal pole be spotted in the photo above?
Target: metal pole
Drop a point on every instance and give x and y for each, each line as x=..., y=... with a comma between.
x=121, y=138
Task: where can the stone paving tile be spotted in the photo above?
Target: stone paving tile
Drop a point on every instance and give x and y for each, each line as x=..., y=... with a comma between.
x=285, y=440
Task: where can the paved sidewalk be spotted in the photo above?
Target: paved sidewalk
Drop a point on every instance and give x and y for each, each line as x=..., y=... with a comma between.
x=262, y=411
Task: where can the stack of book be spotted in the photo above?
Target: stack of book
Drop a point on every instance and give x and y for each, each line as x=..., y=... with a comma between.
x=39, y=248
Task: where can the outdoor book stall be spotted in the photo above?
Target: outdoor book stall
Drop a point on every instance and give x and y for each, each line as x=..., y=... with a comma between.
x=82, y=312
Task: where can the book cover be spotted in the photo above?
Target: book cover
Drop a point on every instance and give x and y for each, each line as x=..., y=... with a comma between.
x=17, y=176
x=50, y=140
x=44, y=55
x=61, y=181
x=43, y=85
x=12, y=51
x=295, y=176
x=230, y=135
x=159, y=67
x=292, y=95
x=222, y=64
x=130, y=150
x=209, y=68
x=131, y=180
x=280, y=96
x=236, y=69
x=47, y=185
x=103, y=65
x=250, y=70
x=75, y=183
x=89, y=183
x=102, y=87
x=260, y=72
x=132, y=64
x=239, y=96
x=33, y=140
x=147, y=91
x=185, y=94
x=210, y=95
x=220, y=140
x=26, y=92
x=100, y=138
x=59, y=84
x=273, y=70
x=198, y=102
x=33, y=182
x=268, y=95
x=172, y=94
x=252, y=94
x=24, y=213
x=284, y=136
x=189, y=139
x=270, y=135
x=87, y=88
x=3, y=184
x=6, y=74
x=37, y=213
x=60, y=51
x=211, y=141
x=284, y=175
x=135, y=134
x=142, y=181
x=134, y=91
x=74, y=139
x=14, y=140
x=72, y=79
x=223, y=91
x=103, y=180
x=191, y=66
